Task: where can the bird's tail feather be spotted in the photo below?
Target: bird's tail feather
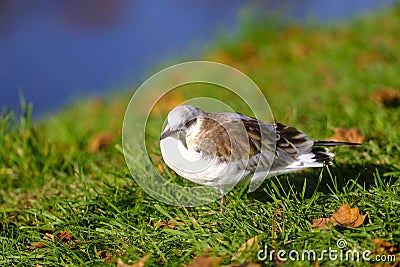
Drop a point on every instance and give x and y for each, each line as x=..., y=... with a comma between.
x=334, y=143
x=322, y=155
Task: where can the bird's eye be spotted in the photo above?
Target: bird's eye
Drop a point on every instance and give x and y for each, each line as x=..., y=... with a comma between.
x=190, y=122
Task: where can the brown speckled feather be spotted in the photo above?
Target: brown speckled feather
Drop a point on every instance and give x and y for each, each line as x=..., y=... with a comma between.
x=249, y=142
x=236, y=137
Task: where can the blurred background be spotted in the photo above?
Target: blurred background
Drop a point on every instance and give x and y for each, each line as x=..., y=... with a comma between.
x=54, y=52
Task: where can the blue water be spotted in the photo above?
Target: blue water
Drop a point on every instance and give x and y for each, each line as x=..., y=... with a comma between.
x=56, y=51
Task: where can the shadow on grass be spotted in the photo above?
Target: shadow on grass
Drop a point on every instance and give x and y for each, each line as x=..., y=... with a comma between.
x=339, y=178
x=336, y=178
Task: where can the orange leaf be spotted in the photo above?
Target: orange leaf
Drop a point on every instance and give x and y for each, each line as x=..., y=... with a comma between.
x=99, y=141
x=384, y=247
x=347, y=135
x=323, y=223
x=104, y=255
x=346, y=216
x=39, y=245
x=65, y=236
x=389, y=97
x=169, y=224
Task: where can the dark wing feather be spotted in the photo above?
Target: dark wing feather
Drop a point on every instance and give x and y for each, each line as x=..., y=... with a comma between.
x=334, y=143
x=261, y=139
x=290, y=143
x=253, y=130
x=297, y=139
x=236, y=137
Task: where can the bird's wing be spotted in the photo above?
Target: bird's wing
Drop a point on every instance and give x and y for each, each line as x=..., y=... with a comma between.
x=290, y=144
x=261, y=139
x=237, y=137
x=234, y=137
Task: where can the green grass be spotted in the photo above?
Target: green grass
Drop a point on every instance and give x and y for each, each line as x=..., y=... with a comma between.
x=316, y=79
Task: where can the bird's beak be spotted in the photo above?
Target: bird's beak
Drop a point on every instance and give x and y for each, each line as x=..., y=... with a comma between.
x=167, y=133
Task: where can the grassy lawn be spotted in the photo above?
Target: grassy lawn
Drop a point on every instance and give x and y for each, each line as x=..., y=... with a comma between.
x=68, y=199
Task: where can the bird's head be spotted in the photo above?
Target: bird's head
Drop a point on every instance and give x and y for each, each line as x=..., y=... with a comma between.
x=180, y=121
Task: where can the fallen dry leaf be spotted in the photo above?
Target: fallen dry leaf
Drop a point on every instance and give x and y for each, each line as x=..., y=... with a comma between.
x=99, y=141
x=323, y=223
x=369, y=57
x=102, y=254
x=110, y=255
x=251, y=244
x=389, y=97
x=39, y=245
x=140, y=263
x=48, y=236
x=65, y=236
x=384, y=247
x=169, y=224
x=345, y=216
x=352, y=135
x=204, y=261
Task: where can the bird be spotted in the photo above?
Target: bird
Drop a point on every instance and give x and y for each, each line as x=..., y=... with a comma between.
x=223, y=149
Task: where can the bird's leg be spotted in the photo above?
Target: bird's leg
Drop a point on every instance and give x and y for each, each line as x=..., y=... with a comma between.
x=223, y=204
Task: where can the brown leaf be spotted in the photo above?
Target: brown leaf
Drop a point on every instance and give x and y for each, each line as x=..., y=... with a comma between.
x=368, y=57
x=204, y=261
x=385, y=247
x=102, y=254
x=48, y=237
x=99, y=141
x=65, y=236
x=39, y=245
x=140, y=263
x=169, y=224
x=347, y=216
x=389, y=97
x=323, y=223
x=352, y=135
x=251, y=244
